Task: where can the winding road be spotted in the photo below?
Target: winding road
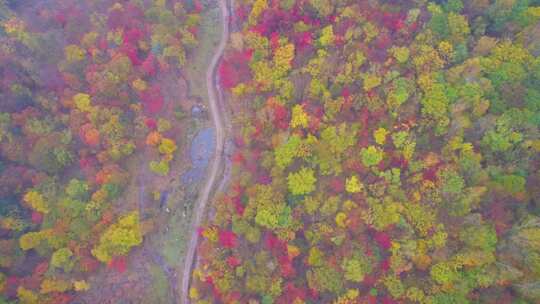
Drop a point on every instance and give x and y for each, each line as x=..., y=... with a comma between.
x=215, y=109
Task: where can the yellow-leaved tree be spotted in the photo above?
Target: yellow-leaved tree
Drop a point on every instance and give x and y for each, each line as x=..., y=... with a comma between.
x=35, y=200
x=119, y=238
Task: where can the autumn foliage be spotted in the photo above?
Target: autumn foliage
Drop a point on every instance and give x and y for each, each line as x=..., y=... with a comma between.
x=78, y=83
x=386, y=152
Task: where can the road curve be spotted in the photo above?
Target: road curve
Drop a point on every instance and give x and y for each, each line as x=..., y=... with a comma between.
x=204, y=195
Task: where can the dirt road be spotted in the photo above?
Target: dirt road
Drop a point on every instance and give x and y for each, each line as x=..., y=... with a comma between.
x=217, y=118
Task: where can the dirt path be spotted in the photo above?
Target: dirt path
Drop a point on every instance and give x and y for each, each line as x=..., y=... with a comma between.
x=215, y=110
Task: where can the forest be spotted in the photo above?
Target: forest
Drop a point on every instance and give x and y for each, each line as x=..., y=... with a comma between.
x=386, y=152
x=383, y=151
x=83, y=88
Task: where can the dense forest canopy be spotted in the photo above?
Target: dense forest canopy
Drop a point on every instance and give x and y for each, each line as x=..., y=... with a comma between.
x=82, y=94
x=387, y=152
x=384, y=151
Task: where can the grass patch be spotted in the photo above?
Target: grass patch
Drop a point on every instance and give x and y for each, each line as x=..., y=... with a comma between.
x=210, y=35
x=160, y=286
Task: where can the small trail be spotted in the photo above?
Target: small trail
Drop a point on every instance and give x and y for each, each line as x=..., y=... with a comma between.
x=217, y=119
